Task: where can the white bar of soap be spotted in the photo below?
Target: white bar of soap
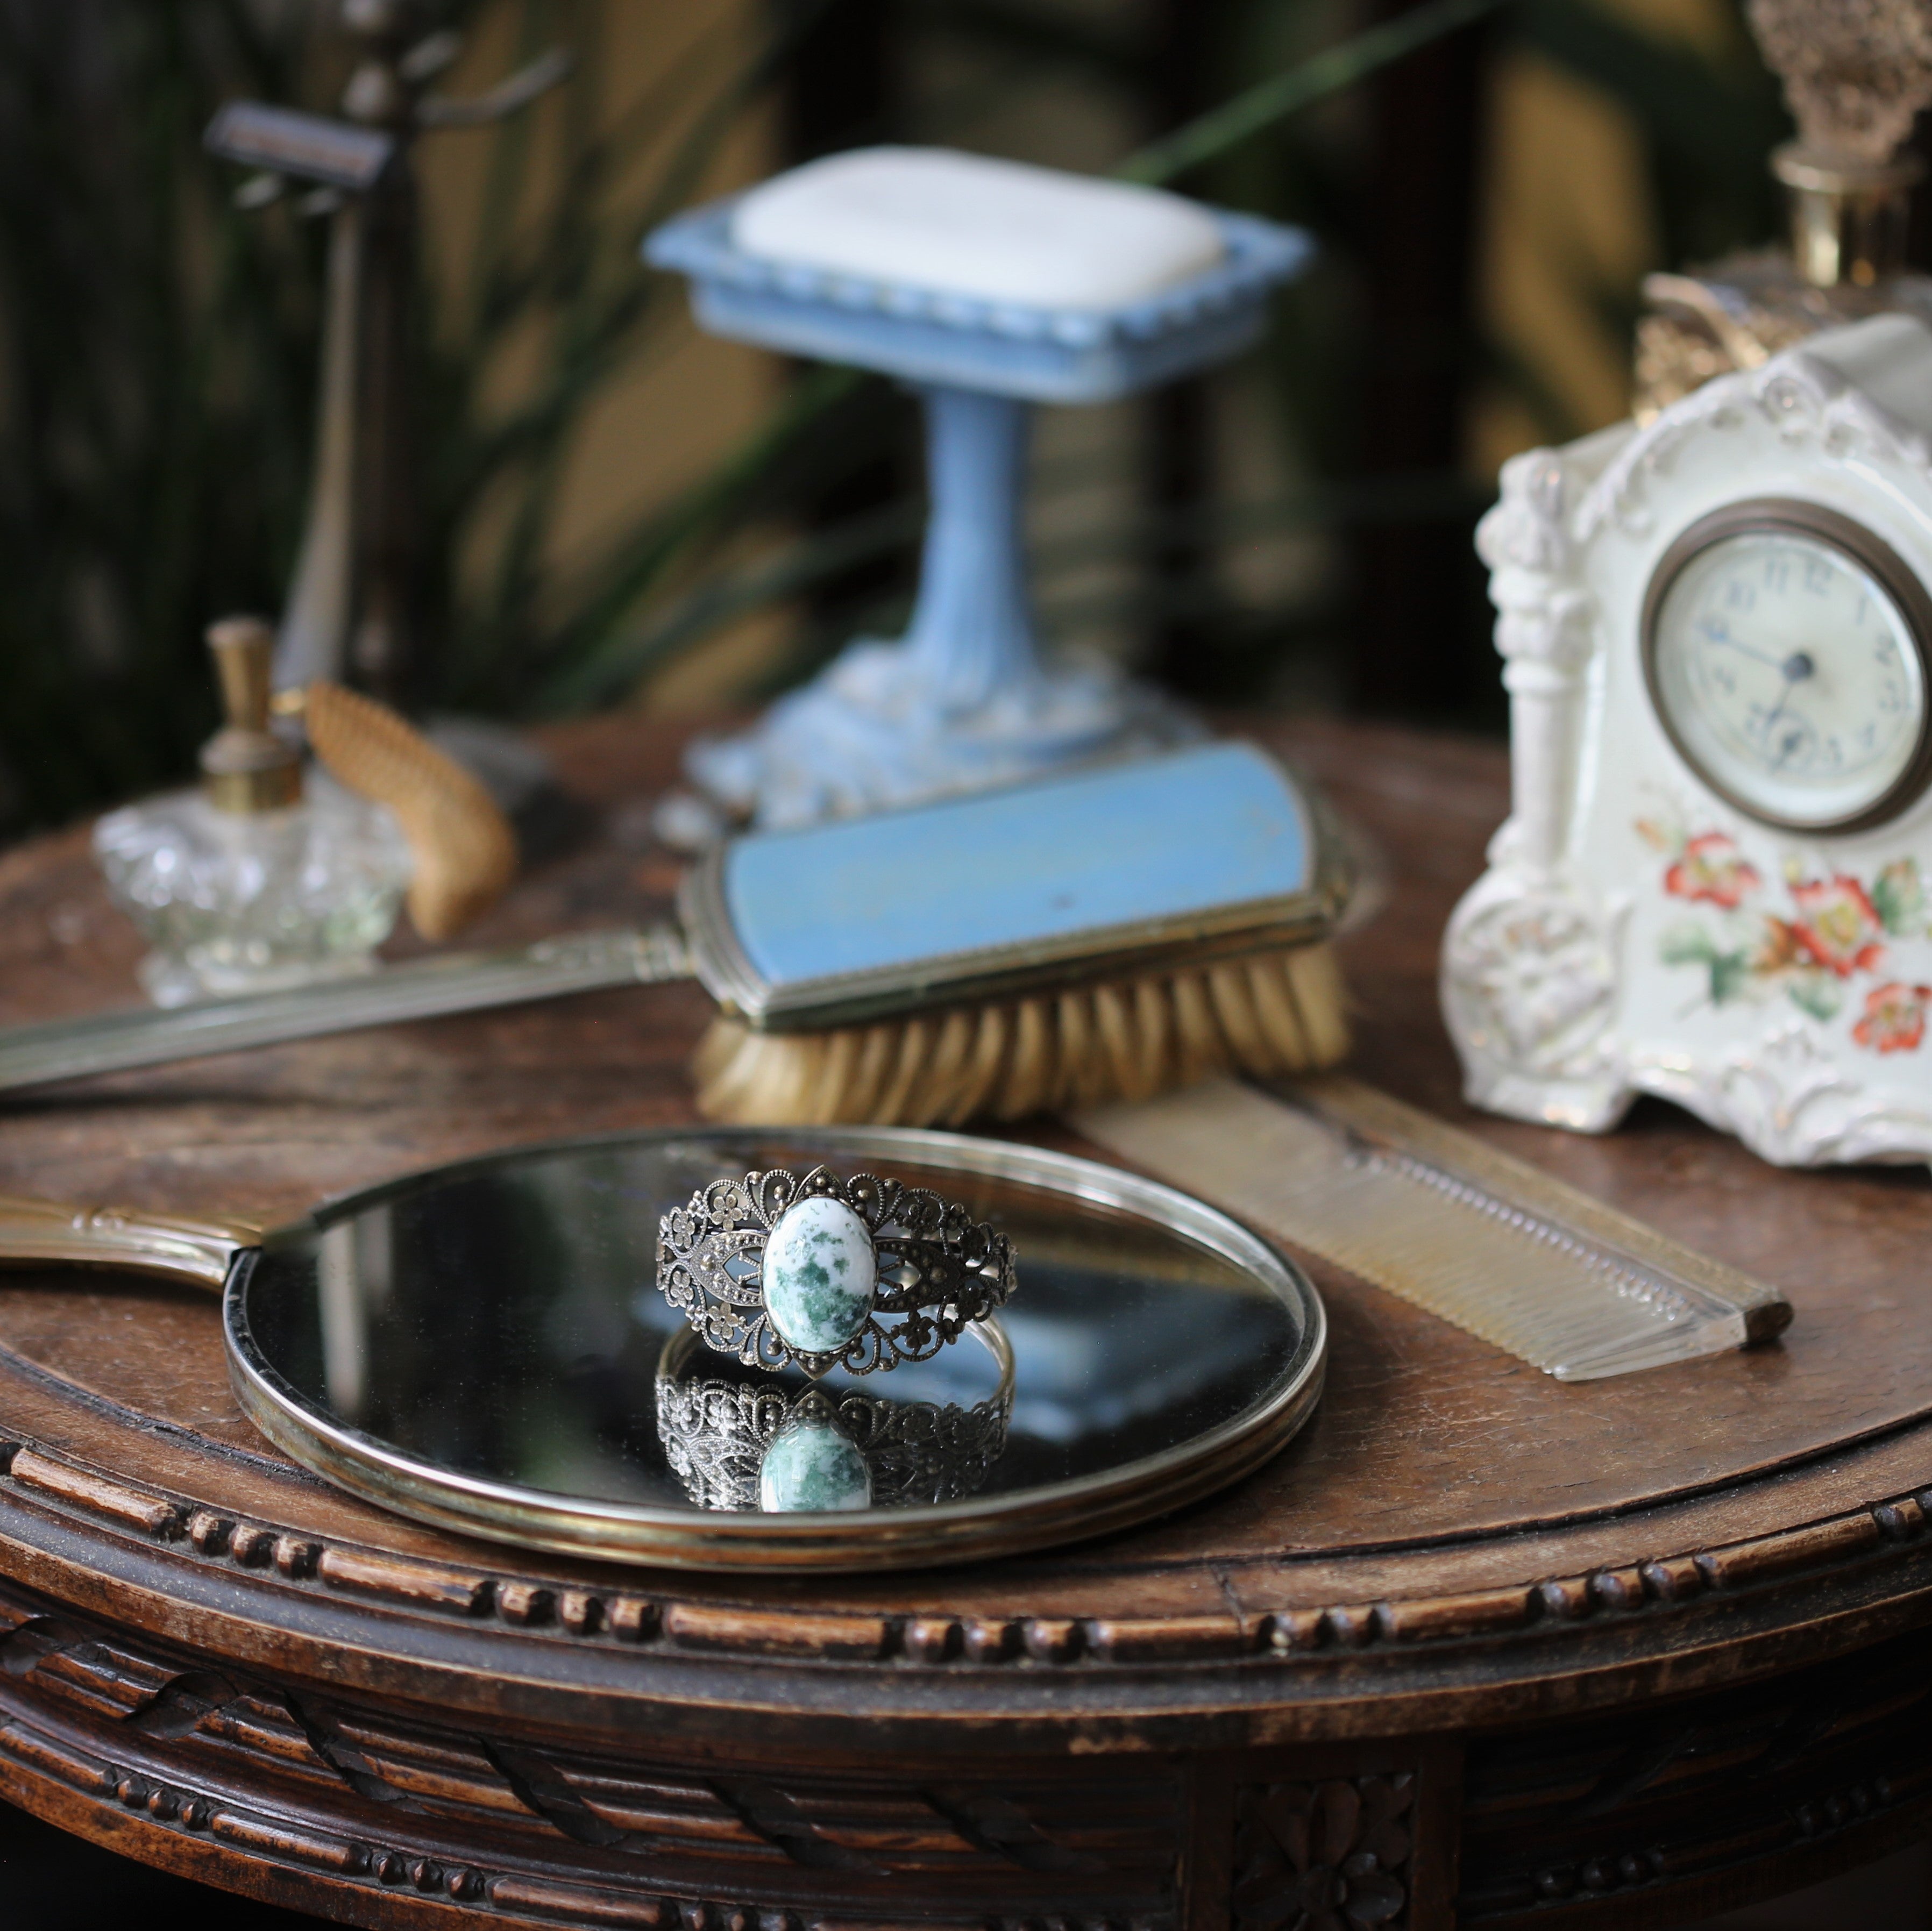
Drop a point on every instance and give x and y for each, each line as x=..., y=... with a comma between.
x=969, y=225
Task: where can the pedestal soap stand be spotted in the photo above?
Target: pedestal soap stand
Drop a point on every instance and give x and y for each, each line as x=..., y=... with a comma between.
x=988, y=287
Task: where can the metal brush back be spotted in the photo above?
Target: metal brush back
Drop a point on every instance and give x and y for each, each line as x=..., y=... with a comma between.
x=1112, y=870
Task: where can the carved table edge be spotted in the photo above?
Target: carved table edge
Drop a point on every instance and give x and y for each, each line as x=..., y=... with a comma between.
x=335, y=1860
x=579, y=1611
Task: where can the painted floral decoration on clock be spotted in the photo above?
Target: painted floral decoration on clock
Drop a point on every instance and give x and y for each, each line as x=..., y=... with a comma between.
x=1828, y=933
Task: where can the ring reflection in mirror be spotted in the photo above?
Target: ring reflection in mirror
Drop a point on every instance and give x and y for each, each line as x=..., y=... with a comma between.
x=757, y=1443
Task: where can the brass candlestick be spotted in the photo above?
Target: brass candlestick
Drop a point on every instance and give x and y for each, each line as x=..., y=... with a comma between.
x=1855, y=73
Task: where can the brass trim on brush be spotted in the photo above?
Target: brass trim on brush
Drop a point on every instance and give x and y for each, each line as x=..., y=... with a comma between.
x=1076, y=960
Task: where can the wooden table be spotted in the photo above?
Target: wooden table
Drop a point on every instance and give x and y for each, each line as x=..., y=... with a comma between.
x=1478, y=1647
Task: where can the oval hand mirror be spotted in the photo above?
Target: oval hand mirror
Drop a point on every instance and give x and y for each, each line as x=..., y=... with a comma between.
x=482, y=1347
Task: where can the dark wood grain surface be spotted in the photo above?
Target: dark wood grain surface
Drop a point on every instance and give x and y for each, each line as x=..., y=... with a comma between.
x=1456, y=1545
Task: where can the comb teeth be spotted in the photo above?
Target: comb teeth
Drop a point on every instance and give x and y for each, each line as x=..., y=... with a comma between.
x=1512, y=1256
x=1506, y=1277
x=1268, y=1015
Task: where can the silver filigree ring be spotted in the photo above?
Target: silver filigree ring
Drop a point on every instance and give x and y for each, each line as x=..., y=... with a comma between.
x=825, y=1272
x=763, y=1445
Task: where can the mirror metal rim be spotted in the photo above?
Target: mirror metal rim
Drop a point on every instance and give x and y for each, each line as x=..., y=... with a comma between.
x=969, y=1530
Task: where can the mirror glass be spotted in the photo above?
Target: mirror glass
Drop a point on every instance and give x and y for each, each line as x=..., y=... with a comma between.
x=501, y=1319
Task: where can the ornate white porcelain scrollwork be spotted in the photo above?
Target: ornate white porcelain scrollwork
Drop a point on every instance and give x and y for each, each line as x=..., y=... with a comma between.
x=1529, y=973
x=1529, y=986
x=1634, y=932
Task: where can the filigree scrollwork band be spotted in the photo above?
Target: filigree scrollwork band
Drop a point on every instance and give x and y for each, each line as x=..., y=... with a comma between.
x=742, y=1445
x=824, y=1271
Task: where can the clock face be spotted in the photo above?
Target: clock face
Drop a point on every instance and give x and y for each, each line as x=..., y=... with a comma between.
x=1789, y=653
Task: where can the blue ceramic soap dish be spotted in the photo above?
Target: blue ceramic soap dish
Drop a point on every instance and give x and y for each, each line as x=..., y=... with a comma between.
x=928, y=335
x=990, y=286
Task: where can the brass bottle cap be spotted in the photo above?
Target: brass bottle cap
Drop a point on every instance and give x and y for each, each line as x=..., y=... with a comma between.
x=245, y=766
x=1848, y=219
x=1855, y=78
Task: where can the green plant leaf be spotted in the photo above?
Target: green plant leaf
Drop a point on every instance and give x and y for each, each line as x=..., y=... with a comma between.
x=1210, y=135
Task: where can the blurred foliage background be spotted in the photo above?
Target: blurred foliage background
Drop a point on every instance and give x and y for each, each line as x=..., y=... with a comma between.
x=619, y=511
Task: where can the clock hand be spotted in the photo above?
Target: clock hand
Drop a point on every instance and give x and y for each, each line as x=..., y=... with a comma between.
x=1798, y=667
x=1792, y=739
x=1795, y=669
x=1762, y=656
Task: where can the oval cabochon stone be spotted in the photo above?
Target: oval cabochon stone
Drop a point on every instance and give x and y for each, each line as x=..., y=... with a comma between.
x=819, y=1274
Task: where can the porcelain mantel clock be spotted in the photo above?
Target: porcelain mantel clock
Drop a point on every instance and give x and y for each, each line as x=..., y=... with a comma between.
x=1713, y=885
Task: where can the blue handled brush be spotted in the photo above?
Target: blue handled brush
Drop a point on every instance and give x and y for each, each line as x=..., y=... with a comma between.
x=1102, y=935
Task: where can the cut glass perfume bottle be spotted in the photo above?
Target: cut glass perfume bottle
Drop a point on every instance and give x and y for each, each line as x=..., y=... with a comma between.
x=256, y=881
x=1854, y=77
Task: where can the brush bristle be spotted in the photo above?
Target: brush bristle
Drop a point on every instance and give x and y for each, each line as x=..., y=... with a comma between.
x=1274, y=1013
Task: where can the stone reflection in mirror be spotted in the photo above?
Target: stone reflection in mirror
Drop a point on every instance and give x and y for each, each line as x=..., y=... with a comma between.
x=738, y=1439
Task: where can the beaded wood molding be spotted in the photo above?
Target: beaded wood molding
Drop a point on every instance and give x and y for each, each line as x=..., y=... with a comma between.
x=573, y=1610
x=345, y=1797
x=349, y=1799
x=1829, y=1765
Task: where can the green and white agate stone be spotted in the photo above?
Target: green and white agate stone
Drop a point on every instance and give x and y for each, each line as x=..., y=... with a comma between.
x=813, y=1466
x=819, y=1274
